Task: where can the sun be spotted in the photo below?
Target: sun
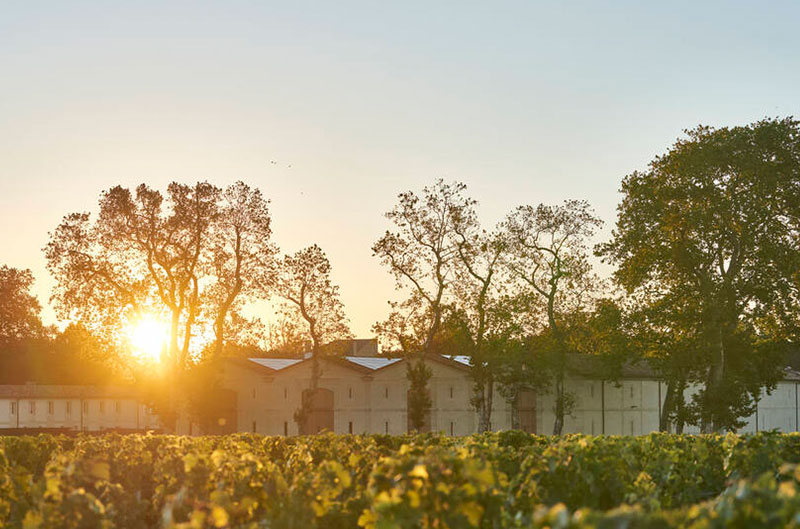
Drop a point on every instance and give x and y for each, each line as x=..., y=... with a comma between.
x=147, y=337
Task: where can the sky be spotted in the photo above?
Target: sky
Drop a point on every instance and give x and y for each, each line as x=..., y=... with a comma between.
x=526, y=102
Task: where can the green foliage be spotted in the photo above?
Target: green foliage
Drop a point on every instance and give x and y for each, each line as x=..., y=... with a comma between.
x=706, y=242
x=492, y=480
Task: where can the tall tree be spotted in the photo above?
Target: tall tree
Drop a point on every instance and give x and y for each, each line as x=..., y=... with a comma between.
x=304, y=283
x=19, y=309
x=242, y=255
x=548, y=254
x=482, y=308
x=716, y=219
x=420, y=254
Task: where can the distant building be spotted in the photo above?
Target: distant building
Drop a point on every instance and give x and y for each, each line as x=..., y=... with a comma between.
x=363, y=392
x=32, y=408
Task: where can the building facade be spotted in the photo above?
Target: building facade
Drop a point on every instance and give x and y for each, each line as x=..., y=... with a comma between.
x=29, y=408
x=369, y=394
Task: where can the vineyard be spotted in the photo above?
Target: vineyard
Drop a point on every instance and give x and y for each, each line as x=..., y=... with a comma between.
x=499, y=480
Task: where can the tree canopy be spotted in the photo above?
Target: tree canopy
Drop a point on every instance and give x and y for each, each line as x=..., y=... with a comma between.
x=716, y=220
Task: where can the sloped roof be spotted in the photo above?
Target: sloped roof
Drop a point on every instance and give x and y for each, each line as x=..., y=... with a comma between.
x=365, y=364
x=372, y=362
x=276, y=363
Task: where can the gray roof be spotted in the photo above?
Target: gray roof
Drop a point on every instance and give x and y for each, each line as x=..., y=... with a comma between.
x=372, y=362
x=369, y=362
x=276, y=363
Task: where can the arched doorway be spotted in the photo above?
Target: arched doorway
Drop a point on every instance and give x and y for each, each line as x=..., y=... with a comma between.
x=320, y=411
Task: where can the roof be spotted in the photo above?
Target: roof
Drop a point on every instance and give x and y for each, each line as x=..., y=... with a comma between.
x=30, y=391
x=276, y=363
x=372, y=362
x=365, y=364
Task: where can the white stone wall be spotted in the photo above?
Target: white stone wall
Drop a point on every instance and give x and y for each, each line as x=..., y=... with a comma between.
x=376, y=402
x=92, y=414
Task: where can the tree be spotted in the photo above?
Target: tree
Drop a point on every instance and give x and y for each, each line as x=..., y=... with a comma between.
x=420, y=255
x=716, y=220
x=304, y=283
x=548, y=255
x=482, y=312
x=242, y=255
x=19, y=309
x=187, y=257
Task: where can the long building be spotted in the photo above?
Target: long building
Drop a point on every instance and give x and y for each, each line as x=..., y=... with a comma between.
x=30, y=408
x=364, y=392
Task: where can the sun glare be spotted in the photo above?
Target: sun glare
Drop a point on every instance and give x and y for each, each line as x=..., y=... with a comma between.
x=147, y=337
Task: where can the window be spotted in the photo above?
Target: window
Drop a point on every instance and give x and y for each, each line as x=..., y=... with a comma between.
x=386, y=392
x=68, y=407
x=50, y=407
x=13, y=408
x=286, y=428
x=102, y=406
x=452, y=426
x=350, y=393
x=117, y=406
x=285, y=393
x=631, y=427
x=32, y=407
x=386, y=427
x=254, y=426
x=631, y=391
x=451, y=392
x=350, y=427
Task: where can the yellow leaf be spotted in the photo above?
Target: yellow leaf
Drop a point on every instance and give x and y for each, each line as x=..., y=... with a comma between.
x=217, y=457
x=786, y=489
x=473, y=513
x=485, y=477
x=219, y=517
x=367, y=519
x=318, y=508
x=419, y=471
x=189, y=462
x=100, y=470
x=413, y=499
x=32, y=520
x=344, y=477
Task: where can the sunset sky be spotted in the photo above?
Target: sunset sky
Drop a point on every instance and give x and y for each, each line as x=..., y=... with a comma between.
x=526, y=102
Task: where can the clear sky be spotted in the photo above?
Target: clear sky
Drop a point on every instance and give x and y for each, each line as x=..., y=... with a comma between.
x=526, y=102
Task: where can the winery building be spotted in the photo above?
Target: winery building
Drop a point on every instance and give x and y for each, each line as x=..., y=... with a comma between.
x=361, y=391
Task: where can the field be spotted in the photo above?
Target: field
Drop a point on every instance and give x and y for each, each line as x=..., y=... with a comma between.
x=489, y=481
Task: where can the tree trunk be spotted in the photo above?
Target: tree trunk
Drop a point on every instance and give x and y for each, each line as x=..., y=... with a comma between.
x=515, y=411
x=716, y=373
x=488, y=403
x=558, y=425
x=173, y=337
x=664, y=422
